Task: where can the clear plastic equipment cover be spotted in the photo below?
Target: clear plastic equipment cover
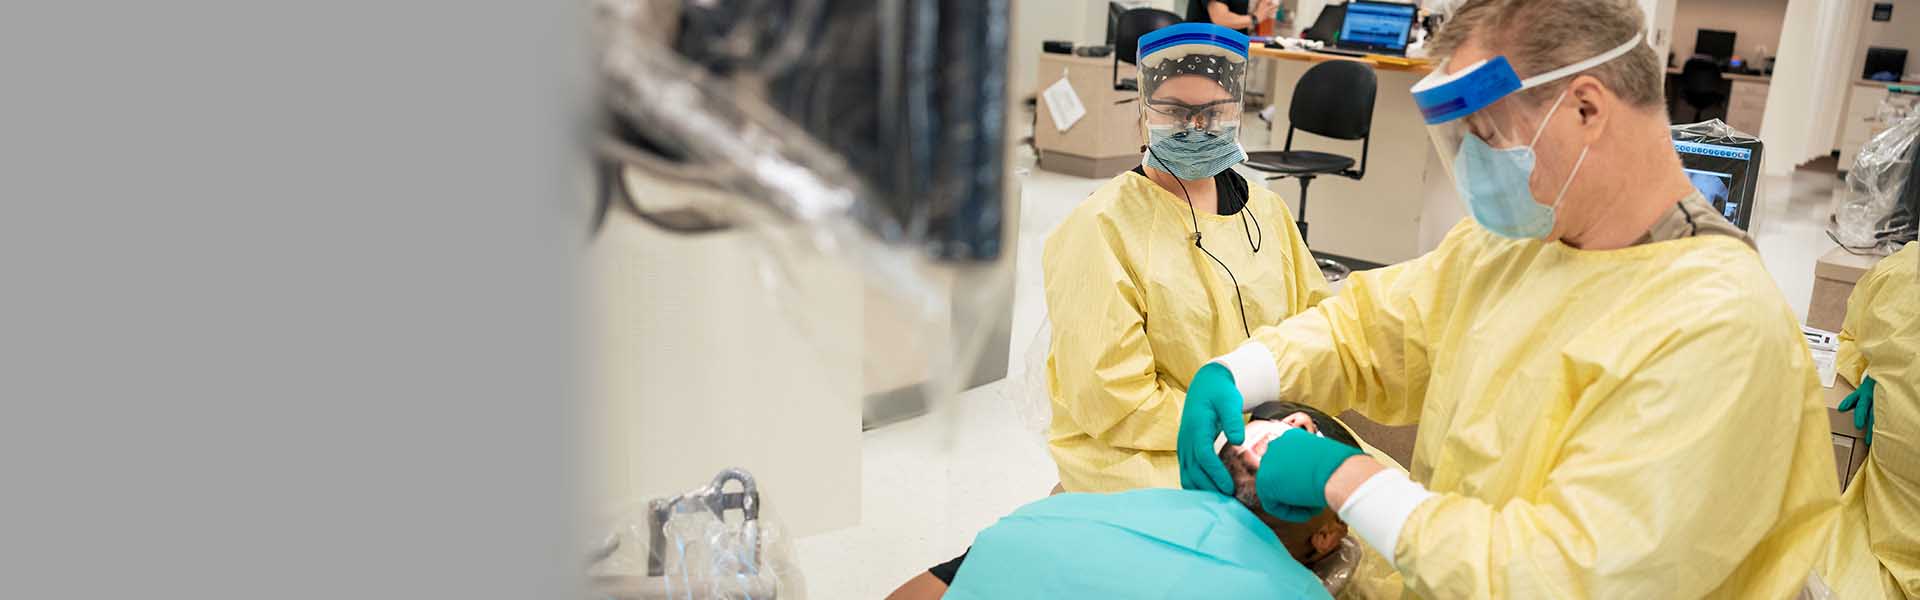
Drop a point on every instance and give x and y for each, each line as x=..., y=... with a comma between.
x=888, y=115
x=861, y=133
x=1871, y=218
x=689, y=547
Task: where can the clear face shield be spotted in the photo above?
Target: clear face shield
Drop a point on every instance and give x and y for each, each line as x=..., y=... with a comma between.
x=1481, y=100
x=1192, y=79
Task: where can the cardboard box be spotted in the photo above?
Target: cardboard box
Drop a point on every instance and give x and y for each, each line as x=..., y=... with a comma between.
x=1833, y=279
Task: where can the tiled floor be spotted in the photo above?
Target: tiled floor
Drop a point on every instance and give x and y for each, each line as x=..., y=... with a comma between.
x=932, y=482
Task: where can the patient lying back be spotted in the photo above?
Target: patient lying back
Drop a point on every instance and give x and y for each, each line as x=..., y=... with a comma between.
x=1151, y=543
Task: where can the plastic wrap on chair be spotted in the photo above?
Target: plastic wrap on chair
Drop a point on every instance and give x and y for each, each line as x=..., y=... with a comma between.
x=1872, y=218
x=1336, y=570
x=1032, y=401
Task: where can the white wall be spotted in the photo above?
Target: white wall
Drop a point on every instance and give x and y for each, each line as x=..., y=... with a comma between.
x=1660, y=14
x=1077, y=21
x=1755, y=23
x=1901, y=32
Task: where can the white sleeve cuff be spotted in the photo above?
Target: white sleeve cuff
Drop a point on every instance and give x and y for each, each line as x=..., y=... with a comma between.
x=1255, y=372
x=1379, y=508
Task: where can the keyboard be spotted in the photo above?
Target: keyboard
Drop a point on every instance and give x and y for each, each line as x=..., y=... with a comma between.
x=1339, y=52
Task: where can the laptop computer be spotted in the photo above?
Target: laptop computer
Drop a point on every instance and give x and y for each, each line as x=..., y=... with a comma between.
x=1377, y=27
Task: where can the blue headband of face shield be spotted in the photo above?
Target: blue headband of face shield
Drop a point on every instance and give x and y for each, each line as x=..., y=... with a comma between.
x=1446, y=97
x=1206, y=34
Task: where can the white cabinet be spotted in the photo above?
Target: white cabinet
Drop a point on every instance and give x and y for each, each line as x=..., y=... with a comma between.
x=1863, y=117
x=1747, y=104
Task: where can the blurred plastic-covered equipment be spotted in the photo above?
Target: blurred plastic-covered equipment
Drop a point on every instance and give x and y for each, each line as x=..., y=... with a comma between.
x=890, y=115
x=684, y=547
x=871, y=134
x=1881, y=208
x=801, y=232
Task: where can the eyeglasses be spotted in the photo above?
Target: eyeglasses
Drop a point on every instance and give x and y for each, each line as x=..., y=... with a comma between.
x=1206, y=116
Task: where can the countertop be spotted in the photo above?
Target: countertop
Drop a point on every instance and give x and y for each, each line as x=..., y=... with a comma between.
x=1731, y=76
x=1382, y=63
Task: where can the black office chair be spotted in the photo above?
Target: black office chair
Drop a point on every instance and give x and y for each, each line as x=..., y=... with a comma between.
x=1333, y=99
x=1700, y=85
x=1126, y=41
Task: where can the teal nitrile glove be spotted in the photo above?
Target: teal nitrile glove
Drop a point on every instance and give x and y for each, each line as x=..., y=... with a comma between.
x=1861, y=403
x=1213, y=407
x=1292, y=481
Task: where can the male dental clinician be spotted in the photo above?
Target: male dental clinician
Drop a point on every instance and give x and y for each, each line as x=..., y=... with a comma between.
x=1614, y=401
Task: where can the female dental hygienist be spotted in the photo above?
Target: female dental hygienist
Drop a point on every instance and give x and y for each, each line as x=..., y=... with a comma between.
x=1613, y=399
x=1163, y=268
x=1875, y=551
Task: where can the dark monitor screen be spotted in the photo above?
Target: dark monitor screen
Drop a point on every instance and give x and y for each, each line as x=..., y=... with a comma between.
x=1715, y=43
x=1326, y=27
x=1726, y=173
x=1885, y=64
x=1380, y=26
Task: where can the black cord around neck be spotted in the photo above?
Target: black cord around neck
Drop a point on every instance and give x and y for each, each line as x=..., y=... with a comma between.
x=1195, y=215
x=1244, y=215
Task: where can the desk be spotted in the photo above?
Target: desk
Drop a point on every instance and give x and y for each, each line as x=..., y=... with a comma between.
x=1378, y=62
x=1405, y=204
x=1105, y=142
x=1746, y=99
x=1849, y=449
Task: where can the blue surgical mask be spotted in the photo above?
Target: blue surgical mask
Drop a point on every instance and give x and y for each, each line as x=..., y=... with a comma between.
x=1494, y=184
x=1192, y=154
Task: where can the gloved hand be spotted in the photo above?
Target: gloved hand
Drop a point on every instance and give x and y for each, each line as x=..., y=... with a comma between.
x=1213, y=407
x=1292, y=480
x=1861, y=403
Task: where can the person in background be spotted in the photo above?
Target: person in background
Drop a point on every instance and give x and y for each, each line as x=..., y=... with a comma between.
x=1614, y=400
x=1237, y=15
x=1876, y=547
x=1163, y=268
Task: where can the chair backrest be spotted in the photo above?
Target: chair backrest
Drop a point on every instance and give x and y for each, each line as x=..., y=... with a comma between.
x=1136, y=23
x=1335, y=99
x=1700, y=76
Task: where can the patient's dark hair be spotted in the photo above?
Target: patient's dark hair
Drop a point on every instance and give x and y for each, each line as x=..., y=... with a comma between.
x=1274, y=411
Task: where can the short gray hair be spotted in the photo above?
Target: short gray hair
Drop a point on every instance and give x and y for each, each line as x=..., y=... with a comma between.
x=1542, y=35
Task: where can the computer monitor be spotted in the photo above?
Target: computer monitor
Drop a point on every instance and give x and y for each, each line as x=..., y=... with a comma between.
x=1326, y=27
x=1885, y=64
x=1378, y=27
x=1726, y=172
x=1715, y=43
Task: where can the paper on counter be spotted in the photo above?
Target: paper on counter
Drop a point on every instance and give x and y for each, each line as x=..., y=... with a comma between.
x=1824, y=345
x=1063, y=104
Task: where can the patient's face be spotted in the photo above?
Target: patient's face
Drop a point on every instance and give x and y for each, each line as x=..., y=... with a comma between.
x=1308, y=542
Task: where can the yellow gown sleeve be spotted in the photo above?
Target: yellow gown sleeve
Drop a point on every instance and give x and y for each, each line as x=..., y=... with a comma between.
x=1848, y=363
x=1365, y=349
x=1654, y=493
x=1310, y=287
x=1103, y=366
